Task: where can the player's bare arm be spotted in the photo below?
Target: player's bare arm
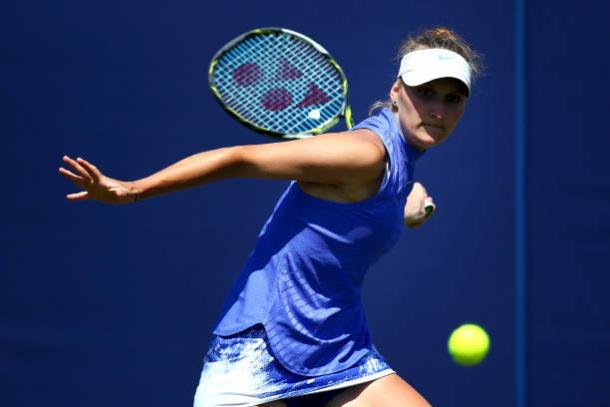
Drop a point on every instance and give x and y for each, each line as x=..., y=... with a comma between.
x=332, y=159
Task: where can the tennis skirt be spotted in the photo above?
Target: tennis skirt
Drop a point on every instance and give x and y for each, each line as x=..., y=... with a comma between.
x=240, y=370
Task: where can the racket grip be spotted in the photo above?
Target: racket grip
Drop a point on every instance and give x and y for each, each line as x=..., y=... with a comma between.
x=429, y=207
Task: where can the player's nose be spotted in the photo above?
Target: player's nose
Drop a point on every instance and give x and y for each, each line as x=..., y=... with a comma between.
x=438, y=110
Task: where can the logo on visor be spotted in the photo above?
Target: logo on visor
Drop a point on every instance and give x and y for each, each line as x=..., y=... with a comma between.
x=442, y=57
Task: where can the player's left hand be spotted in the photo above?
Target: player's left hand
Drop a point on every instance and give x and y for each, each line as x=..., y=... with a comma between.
x=419, y=207
x=95, y=185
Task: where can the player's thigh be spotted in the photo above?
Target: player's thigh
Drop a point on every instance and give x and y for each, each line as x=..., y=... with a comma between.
x=389, y=391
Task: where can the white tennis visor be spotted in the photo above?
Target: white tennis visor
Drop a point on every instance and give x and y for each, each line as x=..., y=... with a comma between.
x=425, y=65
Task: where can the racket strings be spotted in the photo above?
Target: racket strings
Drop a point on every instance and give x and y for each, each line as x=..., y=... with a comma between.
x=268, y=53
x=298, y=58
x=245, y=101
x=288, y=54
x=327, y=78
x=270, y=63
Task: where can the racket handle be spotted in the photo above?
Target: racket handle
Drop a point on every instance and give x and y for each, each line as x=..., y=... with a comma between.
x=429, y=207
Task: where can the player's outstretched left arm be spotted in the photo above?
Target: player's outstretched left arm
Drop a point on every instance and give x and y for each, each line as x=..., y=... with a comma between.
x=336, y=159
x=203, y=167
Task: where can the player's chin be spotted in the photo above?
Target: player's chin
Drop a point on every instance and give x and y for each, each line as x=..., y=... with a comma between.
x=431, y=139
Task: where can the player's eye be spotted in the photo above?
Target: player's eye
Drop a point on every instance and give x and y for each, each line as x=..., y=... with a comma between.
x=425, y=91
x=453, y=99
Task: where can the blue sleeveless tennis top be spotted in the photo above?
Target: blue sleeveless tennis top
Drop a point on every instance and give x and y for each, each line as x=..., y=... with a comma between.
x=303, y=280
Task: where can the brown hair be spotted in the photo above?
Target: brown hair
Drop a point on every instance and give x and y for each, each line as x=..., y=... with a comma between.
x=438, y=37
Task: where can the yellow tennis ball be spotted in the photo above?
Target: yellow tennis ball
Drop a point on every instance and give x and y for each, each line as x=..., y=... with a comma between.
x=468, y=344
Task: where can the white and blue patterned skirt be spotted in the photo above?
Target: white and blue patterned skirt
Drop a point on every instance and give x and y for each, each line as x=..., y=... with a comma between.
x=241, y=370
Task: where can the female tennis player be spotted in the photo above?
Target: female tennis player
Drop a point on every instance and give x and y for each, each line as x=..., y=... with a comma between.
x=293, y=330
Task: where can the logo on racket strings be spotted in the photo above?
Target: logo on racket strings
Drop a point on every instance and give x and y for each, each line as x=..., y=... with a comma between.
x=279, y=96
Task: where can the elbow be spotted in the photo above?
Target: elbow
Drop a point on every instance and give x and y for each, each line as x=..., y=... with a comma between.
x=242, y=163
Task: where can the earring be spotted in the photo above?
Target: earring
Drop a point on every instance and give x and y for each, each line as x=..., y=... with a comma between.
x=394, y=103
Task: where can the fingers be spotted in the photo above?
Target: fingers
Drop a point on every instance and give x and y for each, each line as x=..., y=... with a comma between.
x=86, y=176
x=90, y=168
x=72, y=177
x=418, y=186
x=78, y=196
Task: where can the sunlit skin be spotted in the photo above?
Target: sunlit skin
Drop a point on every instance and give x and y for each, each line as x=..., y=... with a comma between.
x=428, y=113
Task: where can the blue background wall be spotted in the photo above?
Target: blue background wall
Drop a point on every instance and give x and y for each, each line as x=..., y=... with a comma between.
x=104, y=305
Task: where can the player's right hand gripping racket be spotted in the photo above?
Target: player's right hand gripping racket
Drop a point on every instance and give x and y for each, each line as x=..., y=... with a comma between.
x=280, y=83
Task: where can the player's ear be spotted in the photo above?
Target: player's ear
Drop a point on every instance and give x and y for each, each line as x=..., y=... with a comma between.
x=395, y=89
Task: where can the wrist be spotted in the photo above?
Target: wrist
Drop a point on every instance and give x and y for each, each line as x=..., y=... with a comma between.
x=135, y=191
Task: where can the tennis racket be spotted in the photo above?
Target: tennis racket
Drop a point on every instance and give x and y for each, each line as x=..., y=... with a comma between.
x=280, y=83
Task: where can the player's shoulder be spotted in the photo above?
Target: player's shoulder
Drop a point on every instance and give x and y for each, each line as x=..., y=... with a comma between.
x=361, y=145
x=370, y=140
